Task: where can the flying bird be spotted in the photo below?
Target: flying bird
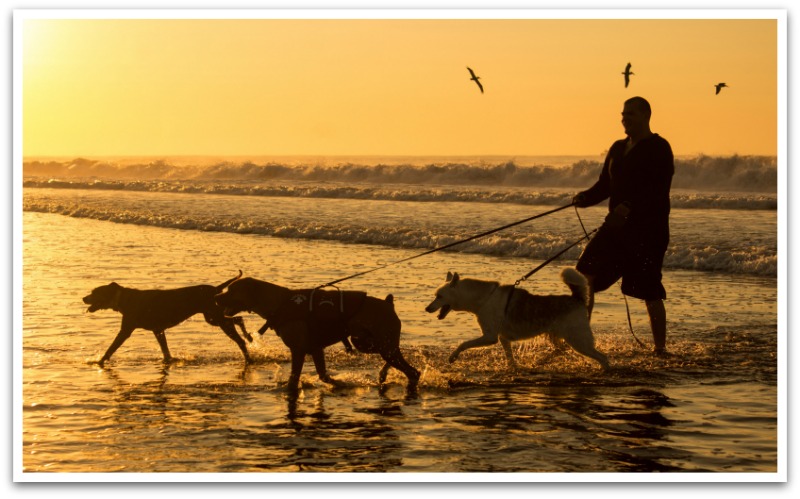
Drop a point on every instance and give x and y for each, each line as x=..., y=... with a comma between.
x=627, y=74
x=475, y=78
x=719, y=86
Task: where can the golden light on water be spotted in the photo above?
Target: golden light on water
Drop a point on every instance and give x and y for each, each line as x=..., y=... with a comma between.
x=210, y=88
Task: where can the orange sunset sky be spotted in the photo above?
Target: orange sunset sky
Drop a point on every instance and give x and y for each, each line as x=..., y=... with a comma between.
x=111, y=86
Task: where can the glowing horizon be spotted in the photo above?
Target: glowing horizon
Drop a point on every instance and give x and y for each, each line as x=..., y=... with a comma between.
x=392, y=87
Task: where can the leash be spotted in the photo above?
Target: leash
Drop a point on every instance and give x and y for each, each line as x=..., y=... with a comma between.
x=549, y=260
x=630, y=324
x=627, y=307
x=446, y=246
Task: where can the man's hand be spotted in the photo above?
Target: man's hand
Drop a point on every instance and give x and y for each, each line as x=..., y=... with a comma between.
x=617, y=218
x=580, y=200
x=623, y=210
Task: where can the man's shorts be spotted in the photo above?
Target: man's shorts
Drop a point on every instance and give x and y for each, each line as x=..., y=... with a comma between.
x=613, y=254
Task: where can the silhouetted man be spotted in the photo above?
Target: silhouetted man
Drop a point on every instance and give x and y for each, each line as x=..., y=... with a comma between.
x=631, y=243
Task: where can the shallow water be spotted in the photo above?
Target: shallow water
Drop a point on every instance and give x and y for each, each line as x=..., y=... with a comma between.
x=711, y=406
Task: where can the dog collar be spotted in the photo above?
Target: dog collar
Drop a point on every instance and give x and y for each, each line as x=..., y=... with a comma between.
x=486, y=300
x=115, y=301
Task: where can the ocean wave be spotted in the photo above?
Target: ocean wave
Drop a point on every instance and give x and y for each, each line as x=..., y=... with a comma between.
x=704, y=173
x=758, y=260
x=397, y=192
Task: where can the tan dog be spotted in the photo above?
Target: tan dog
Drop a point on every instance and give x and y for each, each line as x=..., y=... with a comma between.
x=160, y=309
x=308, y=320
x=510, y=314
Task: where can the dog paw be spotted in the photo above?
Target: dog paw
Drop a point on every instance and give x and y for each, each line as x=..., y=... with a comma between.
x=332, y=381
x=453, y=357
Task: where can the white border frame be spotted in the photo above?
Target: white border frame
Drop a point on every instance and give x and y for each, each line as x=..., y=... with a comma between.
x=19, y=16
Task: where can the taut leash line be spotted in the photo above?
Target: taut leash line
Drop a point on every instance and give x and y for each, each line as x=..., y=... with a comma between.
x=446, y=246
x=547, y=262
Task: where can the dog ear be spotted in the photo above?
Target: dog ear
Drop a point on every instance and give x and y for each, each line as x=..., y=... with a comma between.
x=455, y=279
x=449, y=276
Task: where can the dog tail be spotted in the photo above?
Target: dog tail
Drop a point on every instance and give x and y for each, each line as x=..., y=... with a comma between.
x=228, y=282
x=577, y=283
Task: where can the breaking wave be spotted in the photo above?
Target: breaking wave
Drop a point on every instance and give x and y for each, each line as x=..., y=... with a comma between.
x=701, y=173
x=708, y=255
x=745, y=183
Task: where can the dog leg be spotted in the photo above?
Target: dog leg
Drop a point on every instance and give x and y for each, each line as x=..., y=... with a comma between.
x=395, y=359
x=347, y=346
x=583, y=343
x=123, y=335
x=230, y=330
x=298, y=359
x=240, y=322
x=162, y=342
x=319, y=364
x=483, y=341
x=384, y=372
x=512, y=364
x=593, y=353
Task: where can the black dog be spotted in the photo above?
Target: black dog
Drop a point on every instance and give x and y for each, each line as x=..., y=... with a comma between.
x=160, y=309
x=348, y=347
x=308, y=320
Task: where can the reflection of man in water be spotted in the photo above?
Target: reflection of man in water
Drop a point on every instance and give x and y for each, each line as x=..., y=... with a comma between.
x=636, y=176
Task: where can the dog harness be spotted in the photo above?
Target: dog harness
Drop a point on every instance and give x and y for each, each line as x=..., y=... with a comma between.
x=320, y=308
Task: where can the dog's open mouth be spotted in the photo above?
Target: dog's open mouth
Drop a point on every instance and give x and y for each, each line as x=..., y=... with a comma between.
x=444, y=311
x=92, y=306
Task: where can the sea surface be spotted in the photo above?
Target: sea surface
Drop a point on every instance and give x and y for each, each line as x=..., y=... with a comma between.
x=710, y=407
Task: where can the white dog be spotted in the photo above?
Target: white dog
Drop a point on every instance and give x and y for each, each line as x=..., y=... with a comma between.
x=510, y=314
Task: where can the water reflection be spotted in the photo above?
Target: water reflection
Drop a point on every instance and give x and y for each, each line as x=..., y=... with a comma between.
x=293, y=397
x=564, y=429
x=171, y=417
x=631, y=429
x=162, y=418
x=344, y=440
x=348, y=428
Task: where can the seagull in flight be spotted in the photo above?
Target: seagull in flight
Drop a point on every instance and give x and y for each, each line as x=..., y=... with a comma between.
x=719, y=87
x=475, y=78
x=627, y=74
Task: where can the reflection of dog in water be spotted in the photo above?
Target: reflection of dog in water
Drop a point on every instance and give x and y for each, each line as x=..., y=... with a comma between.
x=160, y=309
x=510, y=314
x=309, y=320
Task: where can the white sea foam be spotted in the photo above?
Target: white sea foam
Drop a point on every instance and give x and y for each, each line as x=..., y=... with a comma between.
x=723, y=218
x=704, y=240
x=398, y=192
